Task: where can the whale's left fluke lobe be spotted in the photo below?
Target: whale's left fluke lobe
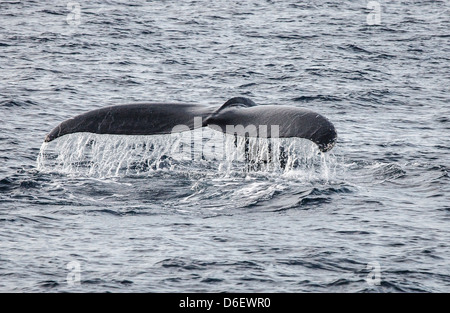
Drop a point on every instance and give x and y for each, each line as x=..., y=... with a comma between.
x=132, y=119
x=165, y=118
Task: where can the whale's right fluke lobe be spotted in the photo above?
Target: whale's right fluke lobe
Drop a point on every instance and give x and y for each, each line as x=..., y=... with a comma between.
x=239, y=116
x=288, y=121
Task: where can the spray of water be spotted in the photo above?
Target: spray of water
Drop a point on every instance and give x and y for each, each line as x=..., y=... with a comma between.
x=202, y=151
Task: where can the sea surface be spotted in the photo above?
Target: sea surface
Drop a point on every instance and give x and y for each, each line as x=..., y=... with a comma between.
x=105, y=213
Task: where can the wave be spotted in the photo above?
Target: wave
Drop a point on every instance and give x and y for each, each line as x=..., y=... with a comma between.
x=10, y=103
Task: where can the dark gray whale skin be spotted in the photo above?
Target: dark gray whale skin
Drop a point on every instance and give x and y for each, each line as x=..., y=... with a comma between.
x=161, y=118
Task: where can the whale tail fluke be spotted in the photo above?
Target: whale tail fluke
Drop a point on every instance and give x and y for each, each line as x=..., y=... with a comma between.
x=164, y=118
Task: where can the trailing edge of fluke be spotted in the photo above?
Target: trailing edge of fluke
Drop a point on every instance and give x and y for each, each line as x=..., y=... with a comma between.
x=165, y=118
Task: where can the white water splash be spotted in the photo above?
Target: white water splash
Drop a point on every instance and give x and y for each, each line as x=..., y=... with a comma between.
x=201, y=151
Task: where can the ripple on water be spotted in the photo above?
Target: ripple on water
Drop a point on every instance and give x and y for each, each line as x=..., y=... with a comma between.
x=142, y=218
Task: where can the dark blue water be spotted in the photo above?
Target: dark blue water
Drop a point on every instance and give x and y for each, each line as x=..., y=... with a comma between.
x=372, y=215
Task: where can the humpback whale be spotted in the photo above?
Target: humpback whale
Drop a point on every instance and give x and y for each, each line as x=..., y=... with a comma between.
x=267, y=121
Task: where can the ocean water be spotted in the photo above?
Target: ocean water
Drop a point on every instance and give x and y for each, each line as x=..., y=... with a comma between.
x=98, y=213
